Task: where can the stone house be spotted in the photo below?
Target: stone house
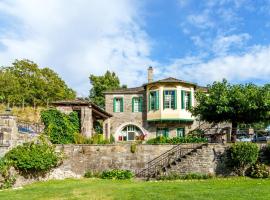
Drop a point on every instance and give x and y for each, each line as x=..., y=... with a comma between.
x=153, y=109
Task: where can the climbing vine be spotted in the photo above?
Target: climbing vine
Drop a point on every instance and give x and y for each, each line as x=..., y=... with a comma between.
x=60, y=127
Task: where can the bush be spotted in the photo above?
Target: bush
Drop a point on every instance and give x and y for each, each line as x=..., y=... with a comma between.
x=92, y=174
x=267, y=153
x=242, y=156
x=133, y=147
x=176, y=140
x=81, y=139
x=60, y=127
x=6, y=179
x=258, y=171
x=33, y=158
x=117, y=174
x=175, y=176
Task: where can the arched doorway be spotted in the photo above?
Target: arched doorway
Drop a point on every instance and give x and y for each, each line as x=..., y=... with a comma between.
x=130, y=132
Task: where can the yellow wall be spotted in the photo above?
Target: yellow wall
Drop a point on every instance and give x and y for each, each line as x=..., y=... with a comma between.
x=178, y=113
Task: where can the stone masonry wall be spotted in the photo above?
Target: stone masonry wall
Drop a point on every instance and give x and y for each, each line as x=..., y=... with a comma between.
x=127, y=116
x=81, y=158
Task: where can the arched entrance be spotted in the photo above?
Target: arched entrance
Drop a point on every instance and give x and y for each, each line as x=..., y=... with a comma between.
x=130, y=132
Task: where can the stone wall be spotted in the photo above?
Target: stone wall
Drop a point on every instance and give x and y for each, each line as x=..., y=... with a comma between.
x=9, y=135
x=80, y=158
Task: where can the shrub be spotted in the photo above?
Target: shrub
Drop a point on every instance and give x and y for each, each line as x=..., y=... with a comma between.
x=267, y=153
x=242, y=156
x=176, y=140
x=133, y=147
x=112, y=139
x=6, y=179
x=258, y=171
x=92, y=174
x=189, y=176
x=33, y=158
x=81, y=139
x=117, y=174
x=60, y=127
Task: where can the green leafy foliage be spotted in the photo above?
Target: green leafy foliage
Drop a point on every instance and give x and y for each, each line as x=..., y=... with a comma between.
x=24, y=83
x=33, y=158
x=100, y=84
x=133, y=147
x=6, y=179
x=189, y=176
x=92, y=174
x=234, y=103
x=176, y=140
x=242, y=155
x=117, y=174
x=95, y=139
x=60, y=127
x=267, y=153
x=259, y=170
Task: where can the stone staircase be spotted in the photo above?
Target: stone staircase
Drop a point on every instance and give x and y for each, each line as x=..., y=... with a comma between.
x=179, y=159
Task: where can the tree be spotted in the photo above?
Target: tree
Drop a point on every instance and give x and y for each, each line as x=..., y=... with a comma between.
x=24, y=83
x=100, y=84
x=237, y=104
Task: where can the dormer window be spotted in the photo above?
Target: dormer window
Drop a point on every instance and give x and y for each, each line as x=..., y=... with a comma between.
x=170, y=100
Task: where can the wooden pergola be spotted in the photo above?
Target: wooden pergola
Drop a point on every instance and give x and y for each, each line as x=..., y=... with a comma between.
x=89, y=113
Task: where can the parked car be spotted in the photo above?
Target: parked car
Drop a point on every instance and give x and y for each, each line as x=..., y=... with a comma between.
x=264, y=138
x=243, y=138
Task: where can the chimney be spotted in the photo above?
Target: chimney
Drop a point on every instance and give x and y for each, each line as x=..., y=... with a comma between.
x=150, y=74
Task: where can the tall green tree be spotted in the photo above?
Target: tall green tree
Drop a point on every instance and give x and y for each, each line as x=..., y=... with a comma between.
x=24, y=83
x=237, y=104
x=100, y=84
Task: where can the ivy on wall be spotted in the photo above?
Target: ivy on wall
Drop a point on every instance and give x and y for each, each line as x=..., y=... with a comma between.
x=60, y=127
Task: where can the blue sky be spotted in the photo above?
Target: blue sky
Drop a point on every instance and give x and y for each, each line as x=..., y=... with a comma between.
x=195, y=40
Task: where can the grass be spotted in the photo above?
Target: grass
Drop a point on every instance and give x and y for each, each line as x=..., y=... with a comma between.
x=28, y=114
x=211, y=189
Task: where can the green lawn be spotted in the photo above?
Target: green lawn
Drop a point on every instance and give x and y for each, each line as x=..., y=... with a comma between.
x=216, y=189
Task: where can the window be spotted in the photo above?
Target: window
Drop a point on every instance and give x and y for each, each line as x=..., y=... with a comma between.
x=186, y=99
x=169, y=99
x=180, y=132
x=130, y=133
x=163, y=132
x=137, y=104
x=154, y=100
x=118, y=105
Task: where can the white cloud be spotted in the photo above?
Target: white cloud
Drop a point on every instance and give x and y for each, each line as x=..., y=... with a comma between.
x=236, y=68
x=78, y=37
x=201, y=21
x=222, y=44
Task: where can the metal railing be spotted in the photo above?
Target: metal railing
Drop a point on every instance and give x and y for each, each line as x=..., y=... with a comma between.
x=155, y=166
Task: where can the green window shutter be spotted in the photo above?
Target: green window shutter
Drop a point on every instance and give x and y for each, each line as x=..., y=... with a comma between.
x=149, y=101
x=140, y=104
x=122, y=105
x=157, y=100
x=132, y=104
x=114, y=102
x=190, y=99
x=183, y=99
x=166, y=130
x=163, y=99
x=175, y=99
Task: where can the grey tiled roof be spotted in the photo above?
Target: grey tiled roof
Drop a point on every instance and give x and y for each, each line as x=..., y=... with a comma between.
x=141, y=89
x=172, y=80
x=125, y=90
